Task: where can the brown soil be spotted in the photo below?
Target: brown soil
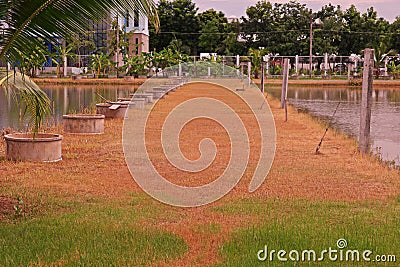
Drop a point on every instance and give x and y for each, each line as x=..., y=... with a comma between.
x=94, y=167
x=6, y=206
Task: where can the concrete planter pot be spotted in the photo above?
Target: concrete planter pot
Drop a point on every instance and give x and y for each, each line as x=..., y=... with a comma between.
x=114, y=110
x=84, y=123
x=24, y=147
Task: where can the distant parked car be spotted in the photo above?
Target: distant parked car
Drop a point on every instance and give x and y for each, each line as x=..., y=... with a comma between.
x=340, y=67
x=382, y=71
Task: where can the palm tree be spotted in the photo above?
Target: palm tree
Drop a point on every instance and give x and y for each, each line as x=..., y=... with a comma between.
x=23, y=23
x=382, y=53
x=256, y=58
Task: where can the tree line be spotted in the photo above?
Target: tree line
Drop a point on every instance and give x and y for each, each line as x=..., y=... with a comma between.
x=277, y=28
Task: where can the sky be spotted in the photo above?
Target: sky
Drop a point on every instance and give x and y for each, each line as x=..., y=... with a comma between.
x=387, y=9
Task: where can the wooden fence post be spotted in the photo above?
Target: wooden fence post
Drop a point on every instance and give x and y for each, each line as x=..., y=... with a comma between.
x=285, y=82
x=366, y=101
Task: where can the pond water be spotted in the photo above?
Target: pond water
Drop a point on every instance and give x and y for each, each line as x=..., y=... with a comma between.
x=385, y=125
x=385, y=121
x=65, y=100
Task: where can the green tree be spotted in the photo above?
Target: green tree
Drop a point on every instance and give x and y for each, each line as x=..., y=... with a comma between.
x=177, y=19
x=178, y=46
x=212, y=14
x=382, y=53
x=47, y=19
x=361, y=30
x=118, y=42
x=259, y=25
x=100, y=63
x=135, y=65
x=328, y=36
x=281, y=28
x=293, y=28
x=209, y=39
x=256, y=58
x=168, y=57
x=212, y=33
x=77, y=42
x=35, y=60
x=395, y=31
x=231, y=44
x=378, y=28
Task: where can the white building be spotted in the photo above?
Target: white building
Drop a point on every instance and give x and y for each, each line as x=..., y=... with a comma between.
x=137, y=25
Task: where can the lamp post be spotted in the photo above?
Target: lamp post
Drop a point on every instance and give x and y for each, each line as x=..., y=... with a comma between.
x=316, y=22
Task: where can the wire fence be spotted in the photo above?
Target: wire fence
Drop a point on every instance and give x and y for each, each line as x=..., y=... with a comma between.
x=321, y=65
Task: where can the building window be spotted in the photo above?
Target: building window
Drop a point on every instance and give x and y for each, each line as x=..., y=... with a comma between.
x=136, y=19
x=100, y=30
x=137, y=45
x=127, y=20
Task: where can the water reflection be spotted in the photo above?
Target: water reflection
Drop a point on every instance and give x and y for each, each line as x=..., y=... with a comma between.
x=385, y=127
x=385, y=121
x=65, y=99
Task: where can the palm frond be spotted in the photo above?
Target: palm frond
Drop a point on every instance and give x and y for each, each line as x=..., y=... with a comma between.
x=47, y=19
x=25, y=23
x=27, y=95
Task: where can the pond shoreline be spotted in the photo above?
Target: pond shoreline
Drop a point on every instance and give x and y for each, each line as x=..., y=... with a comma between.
x=317, y=83
x=101, y=81
x=381, y=84
x=320, y=103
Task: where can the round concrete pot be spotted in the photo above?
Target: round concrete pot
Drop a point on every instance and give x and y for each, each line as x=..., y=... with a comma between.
x=84, y=123
x=114, y=110
x=44, y=147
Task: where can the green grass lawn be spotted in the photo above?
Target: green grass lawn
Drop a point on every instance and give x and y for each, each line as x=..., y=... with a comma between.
x=304, y=225
x=121, y=233
x=95, y=234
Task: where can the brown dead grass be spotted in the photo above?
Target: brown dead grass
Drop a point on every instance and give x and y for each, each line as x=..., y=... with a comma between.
x=197, y=130
x=94, y=167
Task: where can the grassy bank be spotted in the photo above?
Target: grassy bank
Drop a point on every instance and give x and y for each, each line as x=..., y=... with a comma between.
x=95, y=234
x=269, y=82
x=87, y=209
x=307, y=225
x=318, y=83
x=105, y=81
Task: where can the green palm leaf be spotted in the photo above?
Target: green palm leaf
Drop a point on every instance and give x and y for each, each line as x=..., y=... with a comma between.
x=35, y=102
x=26, y=22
